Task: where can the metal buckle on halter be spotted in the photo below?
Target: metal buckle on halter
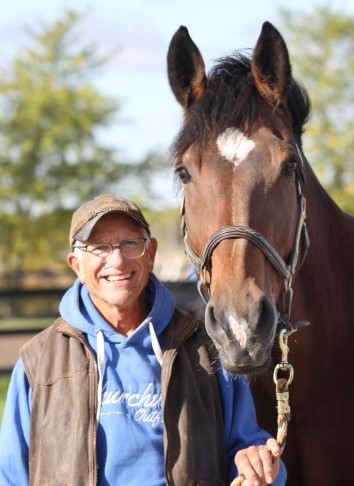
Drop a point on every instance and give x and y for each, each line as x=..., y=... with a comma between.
x=286, y=299
x=284, y=322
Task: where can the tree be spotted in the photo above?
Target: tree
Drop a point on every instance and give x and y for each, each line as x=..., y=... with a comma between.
x=321, y=45
x=50, y=156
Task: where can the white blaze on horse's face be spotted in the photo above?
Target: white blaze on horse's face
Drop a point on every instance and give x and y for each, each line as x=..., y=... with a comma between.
x=238, y=328
x=234, y=145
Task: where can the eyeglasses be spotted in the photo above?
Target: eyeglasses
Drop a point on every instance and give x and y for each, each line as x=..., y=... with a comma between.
x=129, y=249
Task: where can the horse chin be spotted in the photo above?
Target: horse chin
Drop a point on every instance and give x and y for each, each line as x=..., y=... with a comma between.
x=250, y=361
x=250, y=368
x=244, y=346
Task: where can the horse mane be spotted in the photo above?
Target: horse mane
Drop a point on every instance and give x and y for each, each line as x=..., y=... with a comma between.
x=231, y=99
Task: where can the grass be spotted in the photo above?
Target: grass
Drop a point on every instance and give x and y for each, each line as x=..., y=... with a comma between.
x=25, y=322
x=4, y=383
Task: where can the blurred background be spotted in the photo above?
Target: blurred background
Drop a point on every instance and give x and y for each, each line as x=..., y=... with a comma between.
x=85, y=108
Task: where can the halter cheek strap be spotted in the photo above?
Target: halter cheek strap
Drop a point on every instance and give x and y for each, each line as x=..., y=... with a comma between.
x=203, y=264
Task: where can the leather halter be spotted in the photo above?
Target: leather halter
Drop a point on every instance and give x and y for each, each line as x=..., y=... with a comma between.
x=286, y=269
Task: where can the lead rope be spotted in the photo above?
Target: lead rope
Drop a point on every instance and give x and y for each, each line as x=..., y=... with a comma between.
x=282, y=396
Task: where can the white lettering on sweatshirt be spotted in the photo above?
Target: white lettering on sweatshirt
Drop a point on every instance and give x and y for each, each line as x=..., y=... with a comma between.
x=144, y=401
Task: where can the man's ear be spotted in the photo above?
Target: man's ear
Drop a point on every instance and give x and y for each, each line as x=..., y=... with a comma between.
x=75, y=264
x=151, y=250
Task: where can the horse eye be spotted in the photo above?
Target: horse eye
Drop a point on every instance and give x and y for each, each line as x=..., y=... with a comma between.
x=289, y=167
x=183, y=174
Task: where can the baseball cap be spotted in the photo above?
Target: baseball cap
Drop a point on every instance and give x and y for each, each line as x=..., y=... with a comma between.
x=87, y=215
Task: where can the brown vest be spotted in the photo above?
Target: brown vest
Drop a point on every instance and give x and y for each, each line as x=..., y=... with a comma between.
x=62, y=373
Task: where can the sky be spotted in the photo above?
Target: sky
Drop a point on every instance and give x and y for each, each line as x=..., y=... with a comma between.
x=141, y=31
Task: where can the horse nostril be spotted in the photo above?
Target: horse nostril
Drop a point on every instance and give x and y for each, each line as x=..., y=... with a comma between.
x=266, y=317
x=213, y=325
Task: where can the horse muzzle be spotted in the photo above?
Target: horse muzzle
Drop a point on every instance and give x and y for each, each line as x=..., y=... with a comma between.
x=244, y=343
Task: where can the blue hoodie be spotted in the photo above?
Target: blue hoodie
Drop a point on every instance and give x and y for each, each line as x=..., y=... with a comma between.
x=130, y=429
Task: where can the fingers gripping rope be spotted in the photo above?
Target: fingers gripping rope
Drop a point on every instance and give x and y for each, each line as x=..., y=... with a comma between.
x=282, y=396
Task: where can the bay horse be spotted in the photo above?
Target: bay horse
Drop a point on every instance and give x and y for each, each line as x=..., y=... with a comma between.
x=251, y=204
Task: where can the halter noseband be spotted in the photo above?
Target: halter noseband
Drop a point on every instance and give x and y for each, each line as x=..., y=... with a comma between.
x=203, y=264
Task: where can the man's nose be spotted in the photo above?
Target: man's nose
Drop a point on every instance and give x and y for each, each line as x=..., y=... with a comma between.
x=115, y=258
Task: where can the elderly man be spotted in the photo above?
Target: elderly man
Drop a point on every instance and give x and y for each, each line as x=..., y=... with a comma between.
x=123, y=388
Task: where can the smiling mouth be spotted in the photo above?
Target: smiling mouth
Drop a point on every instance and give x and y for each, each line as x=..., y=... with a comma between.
x=118, y=278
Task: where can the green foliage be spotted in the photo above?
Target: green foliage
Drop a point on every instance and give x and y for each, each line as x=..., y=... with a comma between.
x=10, y=323
x=321, y=45
x=50, y=158
x=4, y=383
x=165, y=226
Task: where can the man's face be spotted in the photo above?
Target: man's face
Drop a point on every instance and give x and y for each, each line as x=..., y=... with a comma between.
x=118, y=283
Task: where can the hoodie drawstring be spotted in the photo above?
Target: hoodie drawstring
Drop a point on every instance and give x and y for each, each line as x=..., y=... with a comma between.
x=100, y=361
x=155, y=343
x=100, y=367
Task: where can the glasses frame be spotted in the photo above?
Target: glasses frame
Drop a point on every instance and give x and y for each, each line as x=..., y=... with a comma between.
x=113, y=247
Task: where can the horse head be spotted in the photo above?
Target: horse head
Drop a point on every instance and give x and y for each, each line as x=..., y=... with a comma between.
x=239, y=159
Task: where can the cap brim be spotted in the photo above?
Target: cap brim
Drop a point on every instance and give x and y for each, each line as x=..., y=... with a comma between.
x=85, y=231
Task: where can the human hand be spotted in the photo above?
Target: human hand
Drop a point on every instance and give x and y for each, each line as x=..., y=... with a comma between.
x=259, y=464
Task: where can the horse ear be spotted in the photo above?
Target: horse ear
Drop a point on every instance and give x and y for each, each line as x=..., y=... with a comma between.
x=271, y=65
x=186, y=69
